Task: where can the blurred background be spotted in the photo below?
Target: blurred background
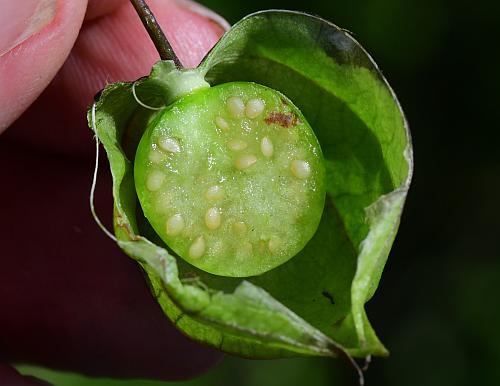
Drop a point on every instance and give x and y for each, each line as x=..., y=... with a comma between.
x=437, y=308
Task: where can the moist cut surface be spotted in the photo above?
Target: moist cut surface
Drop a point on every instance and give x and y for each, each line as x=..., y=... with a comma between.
x=232, y=179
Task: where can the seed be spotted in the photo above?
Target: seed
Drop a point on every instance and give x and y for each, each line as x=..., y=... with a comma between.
x=239, y=227
x=261, y=246
x=155, y=156
x=197, y=249
x=274, y=244
x=236, y=144
x=236, y=106
x=300, y=169
x=175, y=225
x=266, y=147
x=246, y=248
x=214, y=193
x=254, y=108
x=245, y=161
x=221, y=123
x=170, y=144
x=212, y=218
x=154, y=181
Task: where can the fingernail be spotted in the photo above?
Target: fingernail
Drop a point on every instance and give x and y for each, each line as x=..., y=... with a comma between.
x=205, y=12
x=20, y=19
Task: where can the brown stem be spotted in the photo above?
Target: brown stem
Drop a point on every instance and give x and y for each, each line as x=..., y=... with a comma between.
x=155, y=32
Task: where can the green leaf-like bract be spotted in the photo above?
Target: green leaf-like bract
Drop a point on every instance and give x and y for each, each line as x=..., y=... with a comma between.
x=313, y=304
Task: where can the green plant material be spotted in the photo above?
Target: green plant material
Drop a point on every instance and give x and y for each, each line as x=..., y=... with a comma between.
x=314, y=303
x=220, y=171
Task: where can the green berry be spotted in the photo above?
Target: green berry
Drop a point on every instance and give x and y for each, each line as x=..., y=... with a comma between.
x=231, y=178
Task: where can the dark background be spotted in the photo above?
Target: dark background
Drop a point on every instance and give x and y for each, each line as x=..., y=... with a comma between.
x=437, y=308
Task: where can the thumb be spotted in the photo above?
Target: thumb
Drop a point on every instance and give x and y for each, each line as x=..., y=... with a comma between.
x=36, y=36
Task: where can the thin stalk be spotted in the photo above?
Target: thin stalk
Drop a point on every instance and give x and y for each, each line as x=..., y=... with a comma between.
x=155, y=32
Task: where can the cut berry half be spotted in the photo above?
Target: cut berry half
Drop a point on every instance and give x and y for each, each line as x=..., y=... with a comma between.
x=232, y=179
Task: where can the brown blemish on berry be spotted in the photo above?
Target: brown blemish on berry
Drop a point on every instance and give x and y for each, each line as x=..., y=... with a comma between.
x=285, y=120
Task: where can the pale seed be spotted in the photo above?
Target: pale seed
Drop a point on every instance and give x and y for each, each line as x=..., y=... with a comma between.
x=155, y=156
x=274, y=244
x=221, y=123
x=245, y=161
x=155, y=180
x=197, y=249
x=236, y=106
x=175, y=225
x=246, y=248
x=300, y=169
x=254, y=108
x=239, y=227
x=214, y=193
x=236, y=144
x=212, y=218
x=266, y=147
x=170, y=144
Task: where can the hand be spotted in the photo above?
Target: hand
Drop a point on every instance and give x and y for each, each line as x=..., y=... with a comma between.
x=69, y=298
